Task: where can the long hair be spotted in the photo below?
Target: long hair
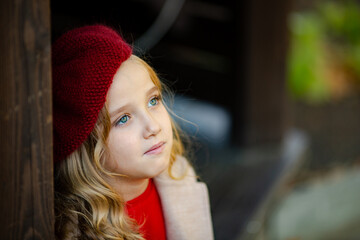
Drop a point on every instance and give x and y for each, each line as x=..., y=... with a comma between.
x=86, y=206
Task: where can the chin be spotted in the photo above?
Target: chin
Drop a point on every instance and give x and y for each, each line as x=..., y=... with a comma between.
x=161, y=166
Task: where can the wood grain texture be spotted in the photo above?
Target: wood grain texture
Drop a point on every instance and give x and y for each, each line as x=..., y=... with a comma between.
x=26, y=183
x=264, y=91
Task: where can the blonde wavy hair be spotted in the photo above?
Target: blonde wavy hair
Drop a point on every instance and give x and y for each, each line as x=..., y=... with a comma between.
x=86, y=206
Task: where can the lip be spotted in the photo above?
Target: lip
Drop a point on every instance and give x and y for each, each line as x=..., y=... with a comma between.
x=156, y=149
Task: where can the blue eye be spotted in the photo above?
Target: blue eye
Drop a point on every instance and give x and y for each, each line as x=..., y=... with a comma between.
x=153, y=102
x=123, y=120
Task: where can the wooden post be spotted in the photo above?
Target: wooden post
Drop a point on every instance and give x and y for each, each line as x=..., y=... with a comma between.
x=262, y=71
x=26, y=182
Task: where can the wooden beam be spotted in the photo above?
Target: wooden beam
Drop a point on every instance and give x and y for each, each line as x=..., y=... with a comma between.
x=262, y=71
x=26, y=179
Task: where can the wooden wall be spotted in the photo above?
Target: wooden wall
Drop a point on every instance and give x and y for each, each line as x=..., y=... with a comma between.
x=262, y=64
x=26, y=182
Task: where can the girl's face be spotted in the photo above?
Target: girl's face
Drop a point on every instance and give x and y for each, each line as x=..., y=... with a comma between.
x=141, y=138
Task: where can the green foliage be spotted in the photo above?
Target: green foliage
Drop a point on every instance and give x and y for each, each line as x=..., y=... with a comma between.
x=332, y=26
x=306, y=60
x=342, y=21
x=343, y=28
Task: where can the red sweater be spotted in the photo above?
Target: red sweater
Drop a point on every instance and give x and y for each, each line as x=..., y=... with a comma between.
x=147, y=211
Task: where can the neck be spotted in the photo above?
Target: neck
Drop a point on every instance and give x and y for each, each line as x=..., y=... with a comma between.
x=128, y=188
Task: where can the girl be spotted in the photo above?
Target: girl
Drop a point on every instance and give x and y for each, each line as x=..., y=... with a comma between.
x=119, y=170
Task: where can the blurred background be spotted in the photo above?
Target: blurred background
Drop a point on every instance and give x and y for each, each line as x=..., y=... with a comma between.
x=271, y=90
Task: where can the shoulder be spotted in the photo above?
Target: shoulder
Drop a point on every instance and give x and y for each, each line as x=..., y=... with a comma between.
x=185, y=203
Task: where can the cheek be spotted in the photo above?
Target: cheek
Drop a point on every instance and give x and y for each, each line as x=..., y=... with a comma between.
x=122, y=147
x=167, y=126
x=165, y=120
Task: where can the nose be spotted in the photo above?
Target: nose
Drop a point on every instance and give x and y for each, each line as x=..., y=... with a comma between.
x=151, y=126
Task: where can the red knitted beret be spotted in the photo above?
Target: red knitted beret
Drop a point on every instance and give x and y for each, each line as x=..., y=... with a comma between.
x=84, y=62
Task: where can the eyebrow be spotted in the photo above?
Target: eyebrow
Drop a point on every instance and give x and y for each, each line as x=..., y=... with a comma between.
x=120, y=109
x=151, y=90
